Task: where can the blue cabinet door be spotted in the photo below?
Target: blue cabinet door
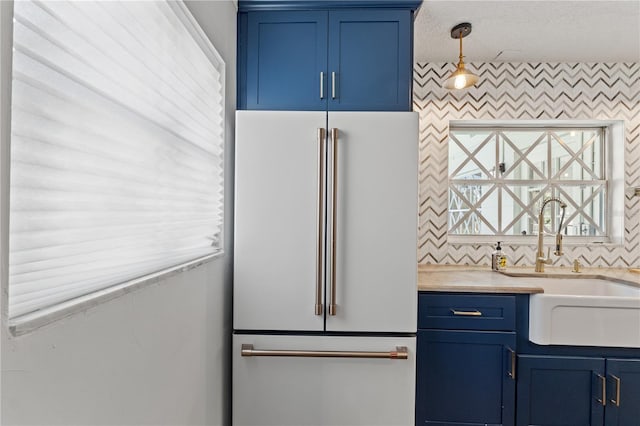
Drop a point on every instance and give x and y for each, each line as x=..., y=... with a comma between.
x=560, y=391
x=286, y=60
x=370, y=60
x=623, y=392
x=465, y=378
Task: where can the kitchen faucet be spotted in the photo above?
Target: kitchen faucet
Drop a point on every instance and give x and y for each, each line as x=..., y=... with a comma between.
x=540, y=259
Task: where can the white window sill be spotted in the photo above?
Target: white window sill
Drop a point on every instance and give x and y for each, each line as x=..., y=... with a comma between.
x=34, y=320
x=514, y=240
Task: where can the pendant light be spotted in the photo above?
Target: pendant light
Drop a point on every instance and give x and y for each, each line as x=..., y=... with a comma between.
x=460, y=78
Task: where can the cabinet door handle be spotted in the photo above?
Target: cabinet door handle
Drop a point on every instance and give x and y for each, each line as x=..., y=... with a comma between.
x=333, y=85
x=321, y=84
x=617, y=400
x=320, y=219
x=603, y=382
x=512, y=369
x=474, y=313
x=334, y=220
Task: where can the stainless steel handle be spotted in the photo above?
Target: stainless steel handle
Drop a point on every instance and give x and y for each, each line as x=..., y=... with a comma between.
x=334, y=219
x=512, y=369
x=320, y=220
x=321, y=84
x=603, y=381
x=333, y=85
x=617, y=400
x=474, y=313
x=401, y=352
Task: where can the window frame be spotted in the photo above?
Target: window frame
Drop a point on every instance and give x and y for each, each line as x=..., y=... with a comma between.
x=613, y=147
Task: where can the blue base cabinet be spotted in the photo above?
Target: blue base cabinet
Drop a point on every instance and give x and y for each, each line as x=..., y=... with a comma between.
x=560, y=391
x=578, y=391
x=465, y=366
x=468, y=371
x=319, y=60
x=465, y=378
x=623, y=392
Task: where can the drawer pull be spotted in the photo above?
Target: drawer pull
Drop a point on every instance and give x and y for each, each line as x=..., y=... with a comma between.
x=474, y=313
x=401, y=352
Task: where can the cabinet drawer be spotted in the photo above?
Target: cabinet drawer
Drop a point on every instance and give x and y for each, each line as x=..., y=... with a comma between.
x=467, y=312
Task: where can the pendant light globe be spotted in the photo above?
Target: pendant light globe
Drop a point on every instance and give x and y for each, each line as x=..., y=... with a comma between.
x=461, y=78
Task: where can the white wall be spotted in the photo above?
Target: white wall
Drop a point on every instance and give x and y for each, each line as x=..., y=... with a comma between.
x=157, y=356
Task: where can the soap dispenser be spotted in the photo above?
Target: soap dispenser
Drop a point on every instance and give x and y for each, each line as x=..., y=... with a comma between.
x=498, y=259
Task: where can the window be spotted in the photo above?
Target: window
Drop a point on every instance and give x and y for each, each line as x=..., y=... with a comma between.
x=116, y=148
x=499, y=177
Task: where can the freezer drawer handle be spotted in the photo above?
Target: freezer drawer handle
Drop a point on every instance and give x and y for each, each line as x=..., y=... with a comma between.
x=401, y=352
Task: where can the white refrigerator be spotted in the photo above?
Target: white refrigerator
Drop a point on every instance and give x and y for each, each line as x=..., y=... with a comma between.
x=325, y=297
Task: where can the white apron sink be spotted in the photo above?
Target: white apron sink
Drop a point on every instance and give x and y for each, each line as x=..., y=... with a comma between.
x=585, y=312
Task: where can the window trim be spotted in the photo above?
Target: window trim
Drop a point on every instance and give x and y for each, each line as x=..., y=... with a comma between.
x=32, y=321
x=206, y=45
x=29, y=322
x=614, y=154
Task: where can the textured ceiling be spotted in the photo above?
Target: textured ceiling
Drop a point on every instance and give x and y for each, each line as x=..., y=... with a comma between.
x=530, y=31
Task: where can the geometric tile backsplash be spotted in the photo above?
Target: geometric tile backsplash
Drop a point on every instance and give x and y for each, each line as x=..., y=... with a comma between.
x=523, y=91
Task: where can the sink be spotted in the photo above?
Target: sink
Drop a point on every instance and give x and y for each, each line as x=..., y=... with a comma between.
x=585, y=312
x=558, y=273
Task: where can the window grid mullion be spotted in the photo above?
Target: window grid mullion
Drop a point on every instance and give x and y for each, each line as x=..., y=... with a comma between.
x=523, y=155
x=549, y=175
x=575, y=157
x=551, y=185
x=498, y=176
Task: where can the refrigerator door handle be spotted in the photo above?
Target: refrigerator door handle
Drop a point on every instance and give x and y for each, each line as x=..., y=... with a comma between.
x=401, y=352
x=334, y=219
x=320, y=219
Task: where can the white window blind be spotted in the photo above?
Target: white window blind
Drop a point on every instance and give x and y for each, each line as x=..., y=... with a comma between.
x=116, y=147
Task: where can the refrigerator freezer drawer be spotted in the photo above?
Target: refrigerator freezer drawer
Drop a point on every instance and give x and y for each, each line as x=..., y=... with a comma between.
x=306, y=380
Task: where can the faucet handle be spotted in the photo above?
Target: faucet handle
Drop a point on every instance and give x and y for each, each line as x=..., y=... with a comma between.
x=558, y=250
x=577, y=266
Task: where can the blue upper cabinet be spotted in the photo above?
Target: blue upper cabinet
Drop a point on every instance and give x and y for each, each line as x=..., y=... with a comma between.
x=286, y=59
x=370, y=60
x=339, y=59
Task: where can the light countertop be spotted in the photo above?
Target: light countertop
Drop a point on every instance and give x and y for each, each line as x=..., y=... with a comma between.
x=481, y=279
